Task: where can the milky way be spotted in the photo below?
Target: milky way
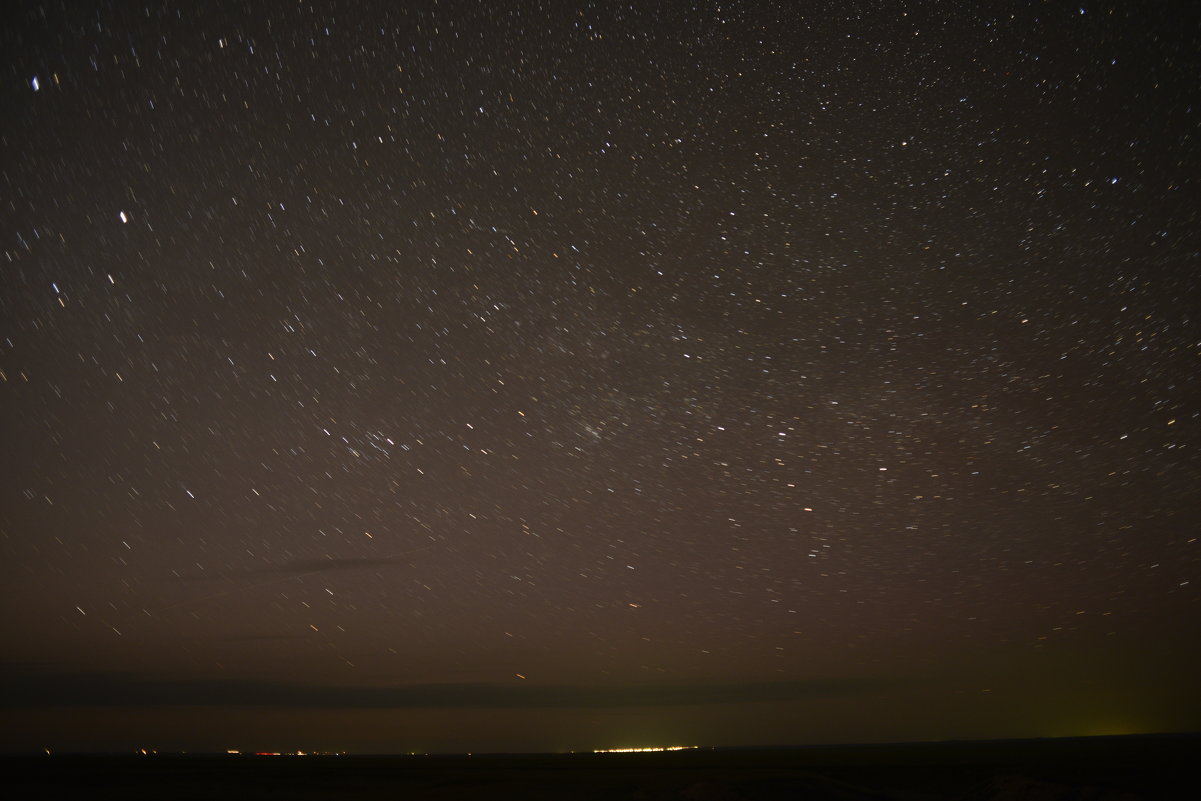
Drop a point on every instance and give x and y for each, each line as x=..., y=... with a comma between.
x=551, y=375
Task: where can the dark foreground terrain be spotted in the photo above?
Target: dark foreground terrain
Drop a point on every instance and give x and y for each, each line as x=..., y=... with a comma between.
x=1096, y=769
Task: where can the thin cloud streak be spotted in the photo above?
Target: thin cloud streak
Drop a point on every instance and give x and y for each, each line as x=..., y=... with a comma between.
x=125, y=690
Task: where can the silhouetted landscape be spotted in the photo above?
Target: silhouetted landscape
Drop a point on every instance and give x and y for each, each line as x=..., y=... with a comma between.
x=1097, y=768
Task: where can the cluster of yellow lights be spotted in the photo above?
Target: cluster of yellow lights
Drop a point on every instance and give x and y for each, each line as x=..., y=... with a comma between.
x=642, y=750
x=287, y=753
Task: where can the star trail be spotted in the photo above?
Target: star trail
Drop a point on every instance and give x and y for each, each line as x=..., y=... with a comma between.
x=539, y=375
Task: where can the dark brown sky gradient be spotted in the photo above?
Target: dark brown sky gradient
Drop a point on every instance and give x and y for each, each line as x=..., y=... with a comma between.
x=455, y=376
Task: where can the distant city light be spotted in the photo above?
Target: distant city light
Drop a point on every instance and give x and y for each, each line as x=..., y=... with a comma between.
x=235, y=752
x=643, y=750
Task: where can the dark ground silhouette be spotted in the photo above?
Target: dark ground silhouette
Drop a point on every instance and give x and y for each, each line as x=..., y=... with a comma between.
x=1075, y=769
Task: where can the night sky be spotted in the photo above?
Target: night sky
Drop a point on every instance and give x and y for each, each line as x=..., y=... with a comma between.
x=565, y=375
